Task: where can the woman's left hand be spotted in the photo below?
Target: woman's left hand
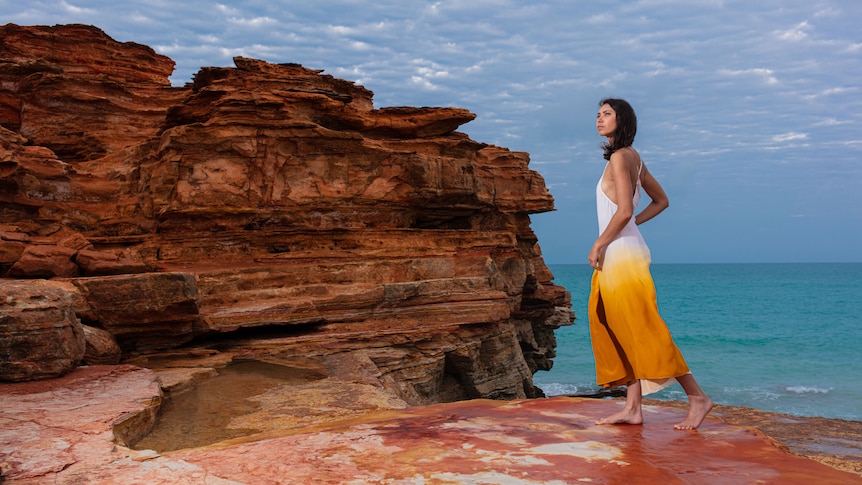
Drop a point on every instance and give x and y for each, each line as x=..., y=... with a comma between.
x=595, y=258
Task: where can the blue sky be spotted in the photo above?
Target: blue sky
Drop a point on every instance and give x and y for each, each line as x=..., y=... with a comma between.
x=750, y=112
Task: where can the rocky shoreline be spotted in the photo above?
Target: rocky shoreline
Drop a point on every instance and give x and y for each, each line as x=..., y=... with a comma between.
x=833, y=442
x=81, y=428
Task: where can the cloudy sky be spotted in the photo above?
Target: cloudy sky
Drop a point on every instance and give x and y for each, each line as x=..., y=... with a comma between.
x=750, y=112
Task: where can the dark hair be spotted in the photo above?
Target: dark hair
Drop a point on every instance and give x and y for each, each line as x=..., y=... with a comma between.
x=627, y=125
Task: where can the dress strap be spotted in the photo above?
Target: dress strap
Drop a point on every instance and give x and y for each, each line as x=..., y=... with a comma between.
x=640, y=169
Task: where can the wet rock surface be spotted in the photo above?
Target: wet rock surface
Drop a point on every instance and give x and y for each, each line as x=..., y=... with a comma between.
x=77, y=429
x=835, y=442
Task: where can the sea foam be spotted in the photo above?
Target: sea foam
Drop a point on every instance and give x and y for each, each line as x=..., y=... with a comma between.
x=807, y=390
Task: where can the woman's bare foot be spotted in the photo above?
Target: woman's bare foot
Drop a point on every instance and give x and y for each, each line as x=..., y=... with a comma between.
x=698, y=408
x=626, y=416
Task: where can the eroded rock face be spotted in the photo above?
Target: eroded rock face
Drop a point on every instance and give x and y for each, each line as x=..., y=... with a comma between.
x=270, y=211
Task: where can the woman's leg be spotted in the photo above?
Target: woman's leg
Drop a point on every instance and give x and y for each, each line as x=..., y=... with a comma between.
x=631, y=413
x=699, y=404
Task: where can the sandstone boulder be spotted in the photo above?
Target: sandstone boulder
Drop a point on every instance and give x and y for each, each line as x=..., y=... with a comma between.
x=40, y=336
x=101, y=347
x=38, y=261
x=152, y=310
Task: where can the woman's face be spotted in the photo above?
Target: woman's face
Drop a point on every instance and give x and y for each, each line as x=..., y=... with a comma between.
x=606, y=121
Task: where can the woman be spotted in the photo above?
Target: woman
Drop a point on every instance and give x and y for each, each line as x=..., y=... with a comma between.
x=631, y=342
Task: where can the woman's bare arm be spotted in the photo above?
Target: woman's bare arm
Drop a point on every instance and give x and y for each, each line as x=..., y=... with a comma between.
x=658, y=198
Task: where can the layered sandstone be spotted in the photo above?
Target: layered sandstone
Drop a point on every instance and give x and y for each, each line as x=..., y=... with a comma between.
x=267, y=211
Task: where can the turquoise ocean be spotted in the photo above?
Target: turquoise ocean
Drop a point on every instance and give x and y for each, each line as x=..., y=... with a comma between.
x=778, y=337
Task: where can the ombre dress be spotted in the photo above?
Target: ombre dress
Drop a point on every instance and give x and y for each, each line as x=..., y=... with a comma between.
x=630, y=339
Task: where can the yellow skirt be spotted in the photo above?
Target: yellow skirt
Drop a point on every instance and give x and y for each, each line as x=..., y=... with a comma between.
x=630, y=339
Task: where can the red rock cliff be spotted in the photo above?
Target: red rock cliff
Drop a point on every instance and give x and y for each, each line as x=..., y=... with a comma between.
x=268, y=211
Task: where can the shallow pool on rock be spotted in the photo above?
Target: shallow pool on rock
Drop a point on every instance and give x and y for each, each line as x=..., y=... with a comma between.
x=201, y=416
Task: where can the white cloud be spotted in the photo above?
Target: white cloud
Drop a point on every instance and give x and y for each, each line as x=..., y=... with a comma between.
x=764, y=73
x=831, y=122
x=360, y=46
x=834, y=92
x=253, y=22
x=227, y=9
x=341, y=30
x=602, y=18
x=427, y=72
x=797, y=33
x=138, y=18
x=74, y=9
x=828, y=12
x=789, y=137
x=423, y=83
x=840, y=90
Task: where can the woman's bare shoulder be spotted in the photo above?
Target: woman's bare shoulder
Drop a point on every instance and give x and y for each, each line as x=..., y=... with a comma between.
x=628, y=156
